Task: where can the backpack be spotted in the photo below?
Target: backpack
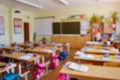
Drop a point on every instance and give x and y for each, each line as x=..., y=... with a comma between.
x=39, y=71
x=62, y=76
x=63, y=55
x=54, y=61
x=11, y=76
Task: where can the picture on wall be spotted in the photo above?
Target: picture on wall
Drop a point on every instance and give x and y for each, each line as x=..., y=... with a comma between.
x=1, y=26
x=17, y=25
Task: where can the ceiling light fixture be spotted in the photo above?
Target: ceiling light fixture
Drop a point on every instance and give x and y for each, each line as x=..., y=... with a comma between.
x=64, y=2
x=30, y=3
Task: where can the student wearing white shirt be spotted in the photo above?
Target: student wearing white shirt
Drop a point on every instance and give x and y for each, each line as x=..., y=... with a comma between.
x=98, y=36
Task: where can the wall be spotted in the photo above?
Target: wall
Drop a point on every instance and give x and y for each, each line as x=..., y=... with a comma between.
x=9, y=15
x=26, y=17
x=4, y=13
x=103, y=9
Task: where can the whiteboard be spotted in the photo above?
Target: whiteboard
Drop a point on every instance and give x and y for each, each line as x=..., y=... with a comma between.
x=44, y=26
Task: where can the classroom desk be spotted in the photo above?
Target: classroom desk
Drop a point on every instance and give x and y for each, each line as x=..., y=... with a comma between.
x=17, y=55
x=24, y=45
x=98, y=51
x=42, y=50
x=7, y=48
x=5, y=64
x=97, y=60
x=94, y=73
x=2, y=69
x=94, y=43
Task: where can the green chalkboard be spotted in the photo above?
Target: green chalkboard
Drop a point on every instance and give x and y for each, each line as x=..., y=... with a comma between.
x=56, y=27
x=71, y=28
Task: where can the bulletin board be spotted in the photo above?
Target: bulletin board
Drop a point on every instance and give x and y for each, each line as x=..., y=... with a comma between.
x=2, y=26
x=17, y=25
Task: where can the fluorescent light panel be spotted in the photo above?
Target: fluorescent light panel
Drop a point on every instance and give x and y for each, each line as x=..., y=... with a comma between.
x=29, y=3
x=64, y=2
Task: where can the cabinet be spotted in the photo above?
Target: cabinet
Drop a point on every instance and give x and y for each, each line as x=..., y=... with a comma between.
x=76, y=42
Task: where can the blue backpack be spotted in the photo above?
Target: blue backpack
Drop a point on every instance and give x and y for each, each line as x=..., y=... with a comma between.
x=11, y=76
x=63, y=55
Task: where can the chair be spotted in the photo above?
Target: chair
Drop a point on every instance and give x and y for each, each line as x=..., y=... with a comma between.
x=67, y=47
x=45, y=63
x=23, y=74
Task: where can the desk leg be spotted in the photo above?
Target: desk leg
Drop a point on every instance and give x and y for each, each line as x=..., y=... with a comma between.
x=47, y=66
x=36, y=60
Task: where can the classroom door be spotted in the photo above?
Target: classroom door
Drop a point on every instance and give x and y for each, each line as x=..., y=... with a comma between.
x=26, y=31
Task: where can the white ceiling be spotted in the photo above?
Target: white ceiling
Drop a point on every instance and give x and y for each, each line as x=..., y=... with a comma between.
x=54, y=4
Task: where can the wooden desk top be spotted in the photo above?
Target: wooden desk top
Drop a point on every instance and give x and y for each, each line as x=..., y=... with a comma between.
x=95, y=73
x=97, y=58
x=100, y=51
x=7, y=48
x=42, y=50
x=26, y=45
x=94, y=43
x=17, y=55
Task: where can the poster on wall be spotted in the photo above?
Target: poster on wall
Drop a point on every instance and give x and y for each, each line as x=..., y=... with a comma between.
x=1, y=26
x=17, y=25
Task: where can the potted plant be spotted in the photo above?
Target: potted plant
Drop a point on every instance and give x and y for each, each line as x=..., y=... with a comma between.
x=44, y=40
x=114, y=17
x=94, y=19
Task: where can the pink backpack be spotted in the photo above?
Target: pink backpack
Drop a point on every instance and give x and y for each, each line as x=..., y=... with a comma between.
x=39, y=71
x=62, y=76
x=54, y=61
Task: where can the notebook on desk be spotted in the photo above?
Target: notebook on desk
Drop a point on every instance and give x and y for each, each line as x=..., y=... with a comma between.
x=78, y=67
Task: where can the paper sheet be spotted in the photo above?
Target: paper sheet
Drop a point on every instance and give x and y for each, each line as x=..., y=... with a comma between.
x=47, y=50
x=89, y=56
x=83, y=68
x=26, y=56
x=78, y=67
x=102, y=50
